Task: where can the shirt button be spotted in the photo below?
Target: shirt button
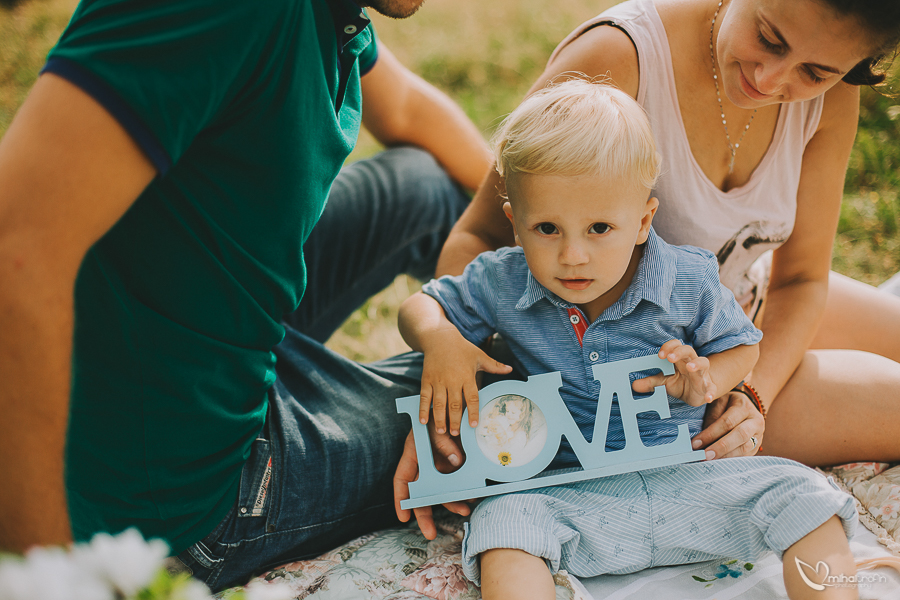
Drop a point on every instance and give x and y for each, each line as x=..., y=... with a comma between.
x=594, y=356
x=574, y=319
x=350, y=29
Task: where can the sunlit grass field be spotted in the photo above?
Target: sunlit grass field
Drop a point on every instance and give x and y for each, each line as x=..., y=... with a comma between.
x=485, y=55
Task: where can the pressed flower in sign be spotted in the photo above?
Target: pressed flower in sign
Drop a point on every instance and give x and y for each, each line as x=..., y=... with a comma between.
x=505, y=458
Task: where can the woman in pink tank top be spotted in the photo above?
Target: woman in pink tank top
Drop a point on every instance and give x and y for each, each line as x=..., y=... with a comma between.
x=754, y=104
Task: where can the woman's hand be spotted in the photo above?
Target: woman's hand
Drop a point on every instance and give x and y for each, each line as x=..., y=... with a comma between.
x=732, y=427
x=447, y=458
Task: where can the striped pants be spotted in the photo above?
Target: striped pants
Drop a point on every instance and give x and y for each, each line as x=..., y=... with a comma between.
x=733, y=507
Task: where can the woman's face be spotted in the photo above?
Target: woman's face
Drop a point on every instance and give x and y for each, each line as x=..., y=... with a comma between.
x=774, y=51
x=513, y=411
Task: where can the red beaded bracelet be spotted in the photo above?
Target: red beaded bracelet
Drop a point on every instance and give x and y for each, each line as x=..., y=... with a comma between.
x=748, y=390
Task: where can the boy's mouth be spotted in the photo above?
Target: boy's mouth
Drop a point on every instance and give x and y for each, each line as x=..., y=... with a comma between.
x=576, y=284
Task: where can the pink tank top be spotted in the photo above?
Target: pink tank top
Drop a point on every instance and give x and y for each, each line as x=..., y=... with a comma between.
x=743, y=223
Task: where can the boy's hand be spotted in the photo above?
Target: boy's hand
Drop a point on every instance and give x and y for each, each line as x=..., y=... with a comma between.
x=448, y=380
x=691, y=381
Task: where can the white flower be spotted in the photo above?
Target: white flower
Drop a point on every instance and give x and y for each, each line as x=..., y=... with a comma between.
x=888, y=510
x=126, y=561
x=192, y=590
x=258, y=590
x=49, y=574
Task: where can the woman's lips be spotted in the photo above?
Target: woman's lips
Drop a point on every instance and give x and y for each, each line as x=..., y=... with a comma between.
x=576, y=284
x=749, y=90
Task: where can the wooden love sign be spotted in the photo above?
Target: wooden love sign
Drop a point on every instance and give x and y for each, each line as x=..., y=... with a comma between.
x=521, y=426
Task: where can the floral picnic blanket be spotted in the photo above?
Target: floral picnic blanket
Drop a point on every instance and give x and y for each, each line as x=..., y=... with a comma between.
x=400, y=564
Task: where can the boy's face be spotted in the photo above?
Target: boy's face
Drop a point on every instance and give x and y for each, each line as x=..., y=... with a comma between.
x=579, y=233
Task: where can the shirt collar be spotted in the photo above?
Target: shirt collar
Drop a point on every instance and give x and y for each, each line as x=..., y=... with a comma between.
x=653, y=281
x=350, y=19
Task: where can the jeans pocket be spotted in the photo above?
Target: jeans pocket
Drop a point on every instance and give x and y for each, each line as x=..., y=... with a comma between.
x=256, y=479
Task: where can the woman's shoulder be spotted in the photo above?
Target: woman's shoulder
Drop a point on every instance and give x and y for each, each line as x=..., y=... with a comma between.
x=603, y=46
x=683, y=15
x=602, y=50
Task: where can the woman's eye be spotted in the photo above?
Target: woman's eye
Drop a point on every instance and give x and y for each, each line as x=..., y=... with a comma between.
x=546, y=228
x=812, y=75
x=600, y=228
x=768, y=45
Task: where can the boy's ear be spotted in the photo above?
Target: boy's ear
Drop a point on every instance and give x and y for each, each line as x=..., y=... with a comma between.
x=507, y=209
x=647, y=219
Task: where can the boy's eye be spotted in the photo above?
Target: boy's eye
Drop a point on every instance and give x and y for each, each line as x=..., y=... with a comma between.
x=600, y=228
x=546, y=228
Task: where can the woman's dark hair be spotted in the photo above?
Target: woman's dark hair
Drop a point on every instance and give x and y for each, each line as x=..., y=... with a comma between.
x=881, y=19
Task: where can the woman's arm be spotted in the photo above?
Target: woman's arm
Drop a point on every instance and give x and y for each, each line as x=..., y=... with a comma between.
x=601, y=51
x=799, y=283
x=400, y=107
x=68, y=171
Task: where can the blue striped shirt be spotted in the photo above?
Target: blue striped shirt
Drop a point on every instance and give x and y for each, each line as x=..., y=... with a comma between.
x=675, y=294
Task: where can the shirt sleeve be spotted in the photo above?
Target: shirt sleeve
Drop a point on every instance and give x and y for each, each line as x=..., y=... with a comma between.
x=469, y=299
x=369, y=56
x=720, y=323
x=166, y=69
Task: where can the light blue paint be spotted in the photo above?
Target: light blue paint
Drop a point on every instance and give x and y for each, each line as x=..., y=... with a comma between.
x=469, y=481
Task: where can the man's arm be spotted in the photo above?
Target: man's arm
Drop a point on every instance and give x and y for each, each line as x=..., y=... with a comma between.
x=68, y=171
x=402, y=108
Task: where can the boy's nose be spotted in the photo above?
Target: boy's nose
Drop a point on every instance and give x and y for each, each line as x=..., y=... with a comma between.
x=573, y=254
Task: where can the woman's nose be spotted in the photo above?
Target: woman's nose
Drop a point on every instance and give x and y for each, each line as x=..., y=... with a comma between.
x=770, y=76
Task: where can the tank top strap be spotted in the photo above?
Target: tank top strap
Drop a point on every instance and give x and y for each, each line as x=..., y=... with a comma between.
x=656, y=85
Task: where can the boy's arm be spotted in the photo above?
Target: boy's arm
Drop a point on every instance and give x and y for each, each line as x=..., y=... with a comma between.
x=425, y=327
x=451, y=362
x=697, y=379
x=730, y=367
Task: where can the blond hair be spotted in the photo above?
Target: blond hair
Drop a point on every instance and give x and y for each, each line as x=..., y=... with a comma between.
x=578, y=127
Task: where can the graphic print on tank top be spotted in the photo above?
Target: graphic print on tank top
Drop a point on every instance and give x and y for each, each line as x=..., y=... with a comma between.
x=752, y=239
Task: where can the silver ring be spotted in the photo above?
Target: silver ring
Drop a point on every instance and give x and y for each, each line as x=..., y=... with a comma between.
x=755, y=441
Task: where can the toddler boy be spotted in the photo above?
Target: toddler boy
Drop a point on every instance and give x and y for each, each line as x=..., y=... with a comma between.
x=591, y=282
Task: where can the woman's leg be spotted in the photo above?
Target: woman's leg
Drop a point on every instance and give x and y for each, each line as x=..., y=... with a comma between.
x=860, y=317
x=843, y=402
x=839, y=406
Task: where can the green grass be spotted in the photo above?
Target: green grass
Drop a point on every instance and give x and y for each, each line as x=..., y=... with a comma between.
x=486, y=54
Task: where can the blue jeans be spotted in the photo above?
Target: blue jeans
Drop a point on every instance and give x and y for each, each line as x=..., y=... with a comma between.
x=321, y=471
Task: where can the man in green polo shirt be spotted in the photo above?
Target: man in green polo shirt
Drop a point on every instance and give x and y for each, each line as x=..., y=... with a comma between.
x=158, y=193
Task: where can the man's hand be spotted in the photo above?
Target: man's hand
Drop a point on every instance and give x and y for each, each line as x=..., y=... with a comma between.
x=729, y=428
x=691, y=381
x=447, y=459
x=448, y=379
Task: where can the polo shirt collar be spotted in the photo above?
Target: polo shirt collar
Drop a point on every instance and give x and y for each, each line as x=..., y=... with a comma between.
x=350, y=19
x=653, y=281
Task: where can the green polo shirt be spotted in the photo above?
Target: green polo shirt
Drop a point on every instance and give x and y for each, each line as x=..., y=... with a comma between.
x=248, y=109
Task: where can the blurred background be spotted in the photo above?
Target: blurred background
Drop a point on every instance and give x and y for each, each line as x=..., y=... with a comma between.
x=485, y=55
